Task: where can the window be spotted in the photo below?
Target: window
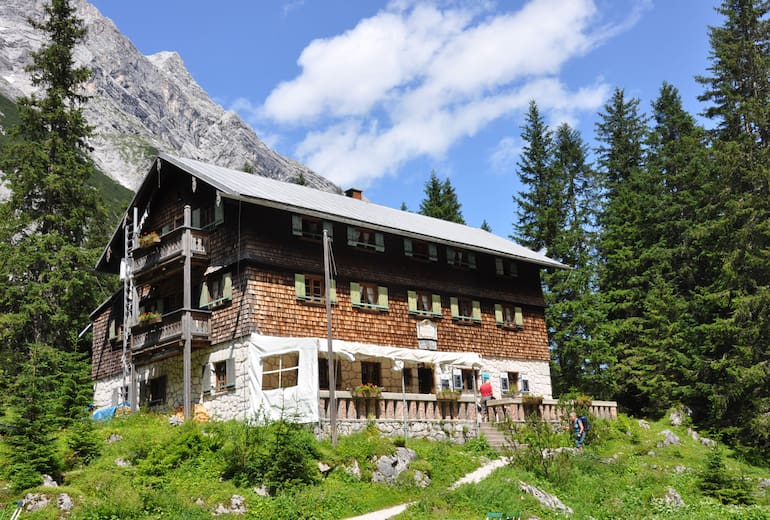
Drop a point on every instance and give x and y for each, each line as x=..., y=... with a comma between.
x=216, y=290
x=424, y=303
x=507, y=315
x=509, y=382
x=468, y=376
x=420, y=250
x=223, y=376
x=460, y=258
x=309, y=227
x=280, y=371
x=369, y=296
x=465, y=310
x=505, y=267
x=370, y=373
x=310, y=288
x=115, y=329
x=208, y=217
x=366, y=238
x=425, y=380
x=323, y=373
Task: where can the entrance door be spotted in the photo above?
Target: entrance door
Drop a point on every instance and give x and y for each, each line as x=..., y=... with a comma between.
x=425, y=380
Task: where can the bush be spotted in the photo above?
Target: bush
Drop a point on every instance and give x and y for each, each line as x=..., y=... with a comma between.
x=83, y=443
x=537, y=441
x=717, y=482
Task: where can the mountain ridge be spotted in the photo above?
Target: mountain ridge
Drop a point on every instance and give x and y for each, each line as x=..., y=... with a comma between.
x=141, y=104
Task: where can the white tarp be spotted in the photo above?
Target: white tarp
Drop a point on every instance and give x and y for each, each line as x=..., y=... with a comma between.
x=300, y=403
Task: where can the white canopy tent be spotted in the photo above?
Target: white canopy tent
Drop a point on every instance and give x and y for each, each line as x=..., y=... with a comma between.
x=300, y=403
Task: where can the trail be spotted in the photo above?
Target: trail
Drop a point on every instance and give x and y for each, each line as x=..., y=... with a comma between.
x=471, y=478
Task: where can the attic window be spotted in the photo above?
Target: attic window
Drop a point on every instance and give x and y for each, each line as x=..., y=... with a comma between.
x=310, y=228
x=460, y=258
x=208, y=217
x=366, y=239
x=505, y=267
x=420, y=250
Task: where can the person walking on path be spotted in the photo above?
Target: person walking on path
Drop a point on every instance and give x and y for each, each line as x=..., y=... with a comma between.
x=579, y=429
x=486, y=394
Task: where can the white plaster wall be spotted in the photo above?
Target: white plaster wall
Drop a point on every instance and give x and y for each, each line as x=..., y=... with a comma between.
x=107, y=391
x=537, y=372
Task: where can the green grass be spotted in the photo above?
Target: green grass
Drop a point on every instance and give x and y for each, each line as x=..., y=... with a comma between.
x=177, y=472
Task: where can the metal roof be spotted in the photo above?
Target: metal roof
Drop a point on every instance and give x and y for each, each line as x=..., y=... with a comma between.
x=264, y=191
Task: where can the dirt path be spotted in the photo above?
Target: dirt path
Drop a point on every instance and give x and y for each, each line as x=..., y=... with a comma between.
x=471, y=478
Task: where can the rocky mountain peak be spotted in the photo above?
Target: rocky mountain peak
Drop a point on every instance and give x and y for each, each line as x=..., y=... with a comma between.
x=141, y=104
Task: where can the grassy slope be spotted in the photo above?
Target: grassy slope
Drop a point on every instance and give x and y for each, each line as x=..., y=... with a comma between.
x=622, y=474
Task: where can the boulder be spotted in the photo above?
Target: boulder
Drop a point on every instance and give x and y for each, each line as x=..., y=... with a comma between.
x=545, y=499
x=389, y=467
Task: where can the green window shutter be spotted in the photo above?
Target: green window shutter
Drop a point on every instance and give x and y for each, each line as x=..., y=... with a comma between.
x=453, y=306
x=352, y=236
x=230, y=373
x=355, y=294
x=518, y=317
x=382, y=297
x=499, y=267
x=329, y=228
x=333, y=291
x=472, y=260
x=206, y=378
x=165, y=230
x=408, y=247
x=196, y=218
x=159, y=307
x=476, y=310
x=379, y=241
x=296, y=225
x=219, y=213
x=450, y=255
x=113, y=329
x=432, y=252
x=411, y=298
x=498, y=314
x=227, y=289
x=205, y=297
x=437, y=304
x=299, y=286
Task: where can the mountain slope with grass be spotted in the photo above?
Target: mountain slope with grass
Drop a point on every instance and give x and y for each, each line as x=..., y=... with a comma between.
x=143, y=467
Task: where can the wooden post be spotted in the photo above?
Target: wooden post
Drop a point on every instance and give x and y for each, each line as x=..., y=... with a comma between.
x=187, y=316
x=329, y=352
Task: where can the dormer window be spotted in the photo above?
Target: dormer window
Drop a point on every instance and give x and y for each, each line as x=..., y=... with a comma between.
x=460, y=258
x=366, y=238
x=310, y=228
x=505, y=267
x=420, y=250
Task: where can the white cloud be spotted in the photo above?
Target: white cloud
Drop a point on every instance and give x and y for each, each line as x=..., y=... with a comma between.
x=414, y=79
x=505, y=155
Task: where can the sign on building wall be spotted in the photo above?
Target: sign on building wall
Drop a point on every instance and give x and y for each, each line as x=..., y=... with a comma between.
x=427, y=335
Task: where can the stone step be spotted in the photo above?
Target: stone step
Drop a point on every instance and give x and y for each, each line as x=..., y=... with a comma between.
x=495, y=437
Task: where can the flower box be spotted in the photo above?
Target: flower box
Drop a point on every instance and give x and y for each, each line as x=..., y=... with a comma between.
x=149, y=318
x=448, y=395
x=149, y=239
x=367, y=390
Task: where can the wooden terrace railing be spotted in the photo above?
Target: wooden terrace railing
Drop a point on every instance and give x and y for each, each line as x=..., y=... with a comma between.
x=170, y=247
x=170, y=329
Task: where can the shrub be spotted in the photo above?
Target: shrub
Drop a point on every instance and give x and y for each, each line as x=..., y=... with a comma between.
x=537, y=441
x=717, y=482
x=83, y=443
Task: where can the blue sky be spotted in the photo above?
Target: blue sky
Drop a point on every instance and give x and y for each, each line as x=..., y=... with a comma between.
x=376, y=94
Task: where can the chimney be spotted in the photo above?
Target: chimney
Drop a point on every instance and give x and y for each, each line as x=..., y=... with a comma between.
x=354, y=193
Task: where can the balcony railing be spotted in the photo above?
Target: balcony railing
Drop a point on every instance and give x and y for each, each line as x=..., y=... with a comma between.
x=425, y=407
x=146, y=337
x=170, y=247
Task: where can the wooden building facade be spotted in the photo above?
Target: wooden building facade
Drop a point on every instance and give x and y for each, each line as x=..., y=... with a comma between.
x=215, y=261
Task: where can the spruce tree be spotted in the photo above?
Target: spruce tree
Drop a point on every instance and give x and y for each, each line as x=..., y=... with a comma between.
x=47, y=232
x=441, y=200
x=538, y=204
x=735, y=333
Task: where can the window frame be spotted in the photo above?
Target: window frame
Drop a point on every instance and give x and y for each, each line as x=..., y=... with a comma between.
x=415, y=297
x=502, y=313
x=460, y=258
x=413, y=248
x=371, y=373
x=281, y=370
x=301, y=289
x=460, y=303
x=357, y=290
x=506, y=267
x=300, y=225
x=377, y=242
x=323, y=374
x=216, y=290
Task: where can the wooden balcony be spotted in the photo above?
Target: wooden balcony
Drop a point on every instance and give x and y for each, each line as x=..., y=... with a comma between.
x=168, y=253
x=166, y=336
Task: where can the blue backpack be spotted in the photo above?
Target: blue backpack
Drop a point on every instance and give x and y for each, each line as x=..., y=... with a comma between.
x=586, y=425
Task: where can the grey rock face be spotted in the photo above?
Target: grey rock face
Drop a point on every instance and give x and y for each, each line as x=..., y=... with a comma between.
x=389, y=467
x=670, y=439
x=141, y=104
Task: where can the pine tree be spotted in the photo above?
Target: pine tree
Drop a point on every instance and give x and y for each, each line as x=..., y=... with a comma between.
x=48, y=228
x=621, y=132
x=735, y=306
x=441, y=200
x=538, y=204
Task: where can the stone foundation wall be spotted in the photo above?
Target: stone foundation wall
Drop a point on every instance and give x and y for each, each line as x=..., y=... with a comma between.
x=456, y=431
